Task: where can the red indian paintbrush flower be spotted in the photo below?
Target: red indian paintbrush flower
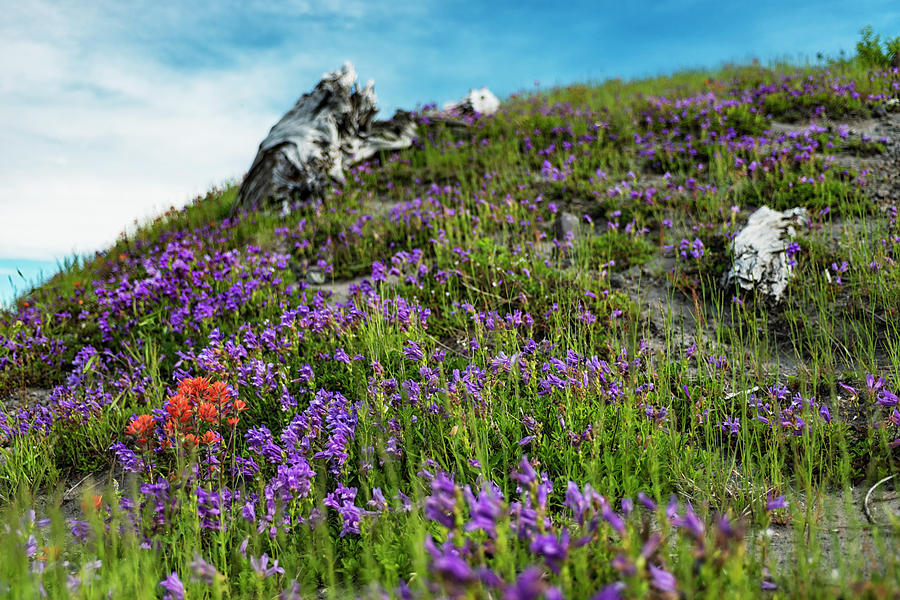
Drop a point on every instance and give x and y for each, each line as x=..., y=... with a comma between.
x=217, y=393
x=196, y=402
x=210, y=437
x=141, y=427
x=179, y=408
x=207, y=412
x=96, y=503
x=193, y=387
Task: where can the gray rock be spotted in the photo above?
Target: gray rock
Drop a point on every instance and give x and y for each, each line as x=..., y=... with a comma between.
x=759, y=250
x=634, y=272
x=23, y=398
x=880, y=111
x=567, y=223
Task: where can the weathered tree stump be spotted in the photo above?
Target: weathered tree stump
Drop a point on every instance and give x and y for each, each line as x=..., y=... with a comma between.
x=331, y=128
x=327, y=129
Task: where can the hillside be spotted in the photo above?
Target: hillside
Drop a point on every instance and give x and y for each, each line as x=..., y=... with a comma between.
x=500, y=363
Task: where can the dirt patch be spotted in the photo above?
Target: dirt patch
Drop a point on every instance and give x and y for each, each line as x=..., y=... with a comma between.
x=837, y=527
x=24, y=398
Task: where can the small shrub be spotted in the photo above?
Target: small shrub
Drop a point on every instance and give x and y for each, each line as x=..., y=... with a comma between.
x=869, y=50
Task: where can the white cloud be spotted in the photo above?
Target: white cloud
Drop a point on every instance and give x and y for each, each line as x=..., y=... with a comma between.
x=96, y=134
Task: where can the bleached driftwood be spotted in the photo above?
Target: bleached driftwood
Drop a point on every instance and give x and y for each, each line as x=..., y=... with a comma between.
x=331, y=128
x=327, y=129
x=759, y=250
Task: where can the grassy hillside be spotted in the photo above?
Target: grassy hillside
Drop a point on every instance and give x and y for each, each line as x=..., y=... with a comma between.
x=477, y=401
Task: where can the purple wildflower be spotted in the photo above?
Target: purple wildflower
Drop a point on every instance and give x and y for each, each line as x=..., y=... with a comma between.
x=646, y=501
x=612, y=591
x=440, y=506
x=526, y=474
x=262, y=568
x=887, y=398
x=776, y=503
x=690, y=522
x=173, y=587
x=341, y=356
x=611, y=517
x=449, y=566
x=413, y=352
x=528, y=586
x=484, y=510
x=662, y=580
x=203, y=571
x=341, y=499
x=554, y=549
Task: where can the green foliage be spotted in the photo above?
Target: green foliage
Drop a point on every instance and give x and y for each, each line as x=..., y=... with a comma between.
x=26, y=466
x=872, y=52
x=622, y=249
x=459, y=231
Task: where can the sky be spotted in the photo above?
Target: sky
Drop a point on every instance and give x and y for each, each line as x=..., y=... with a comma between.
x=111, y=112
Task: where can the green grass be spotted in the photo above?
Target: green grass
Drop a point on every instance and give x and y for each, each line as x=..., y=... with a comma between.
x=462, y=228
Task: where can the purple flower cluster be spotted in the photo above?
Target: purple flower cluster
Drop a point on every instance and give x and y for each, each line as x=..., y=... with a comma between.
x=461, y=564
x=793, y=414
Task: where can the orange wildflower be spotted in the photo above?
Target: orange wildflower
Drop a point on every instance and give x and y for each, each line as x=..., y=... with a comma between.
x=217, y=393
x=232, y=421
x=190, y=441
x=207, y=412
x=49, y=553
x=179, y=408
x=240, y=405
x=141, y=427
x=193, y=387
x=170, y=427
x=96, y=503
x=210, y=437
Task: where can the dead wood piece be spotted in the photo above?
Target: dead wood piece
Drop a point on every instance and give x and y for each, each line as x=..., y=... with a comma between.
x=866, y=510
x=327, y=129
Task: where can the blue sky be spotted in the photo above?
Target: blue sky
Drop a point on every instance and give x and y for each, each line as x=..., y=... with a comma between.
x=111, y=111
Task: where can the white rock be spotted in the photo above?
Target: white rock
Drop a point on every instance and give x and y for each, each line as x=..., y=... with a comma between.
x=759, y=250
x=482, y=101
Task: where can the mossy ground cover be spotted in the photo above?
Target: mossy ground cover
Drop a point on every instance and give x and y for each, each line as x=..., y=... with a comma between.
x=495, y=408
